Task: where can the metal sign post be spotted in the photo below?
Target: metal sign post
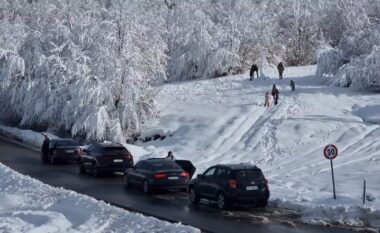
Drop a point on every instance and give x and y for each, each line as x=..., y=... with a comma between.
x=331, y=152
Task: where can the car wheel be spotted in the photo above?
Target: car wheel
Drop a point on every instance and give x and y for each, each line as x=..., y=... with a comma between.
x=221, y=201
x=146, y=187
x=262, y=203
x=126, y=182
x=81, y=168
x=194, y=197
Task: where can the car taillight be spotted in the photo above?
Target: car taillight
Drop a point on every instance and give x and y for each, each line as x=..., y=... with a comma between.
x=266, y=181
x=158, y=176
x=184, y=174
x=232, y=183
x=128, y=157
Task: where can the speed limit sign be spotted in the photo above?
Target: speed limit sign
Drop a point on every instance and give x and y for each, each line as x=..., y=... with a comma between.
x=330, y=152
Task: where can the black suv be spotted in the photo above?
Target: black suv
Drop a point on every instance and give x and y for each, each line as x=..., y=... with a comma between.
x=231, y=184
x=105, y=157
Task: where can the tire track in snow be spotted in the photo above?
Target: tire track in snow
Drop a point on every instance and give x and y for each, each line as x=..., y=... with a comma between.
x=228, y=137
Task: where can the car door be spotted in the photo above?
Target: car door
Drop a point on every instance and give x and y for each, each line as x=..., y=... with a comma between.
x=205, y=182
x=140, y=171
x=220, y=179
x=132, y=172
x=87, y=158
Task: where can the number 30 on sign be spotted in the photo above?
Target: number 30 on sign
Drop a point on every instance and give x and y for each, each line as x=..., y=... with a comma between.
x=330, y=152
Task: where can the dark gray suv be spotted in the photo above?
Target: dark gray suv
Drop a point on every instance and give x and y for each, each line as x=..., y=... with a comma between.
x=231, y=184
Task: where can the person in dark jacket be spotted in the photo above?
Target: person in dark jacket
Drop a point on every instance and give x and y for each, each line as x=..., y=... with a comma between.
x=275, y=94
x=292, y=85
x=254, y=69
x=280, y=69
x=45, y=148
x=170, y=156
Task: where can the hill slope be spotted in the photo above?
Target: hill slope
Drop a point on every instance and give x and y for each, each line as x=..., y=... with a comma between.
x=223, y=121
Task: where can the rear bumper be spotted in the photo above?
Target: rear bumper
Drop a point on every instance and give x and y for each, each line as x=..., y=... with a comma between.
x=259, y=196
x=171, y=185
x=111, y=169
x=71, y=158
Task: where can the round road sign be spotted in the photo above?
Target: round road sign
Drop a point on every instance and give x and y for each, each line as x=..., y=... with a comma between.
x=330, y=152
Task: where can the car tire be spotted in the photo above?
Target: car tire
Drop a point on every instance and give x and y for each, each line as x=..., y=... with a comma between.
x=81, y=169
x=146, y=187
x=221, y=201
x=194, y=196
x=262, y=203
x=126, y=182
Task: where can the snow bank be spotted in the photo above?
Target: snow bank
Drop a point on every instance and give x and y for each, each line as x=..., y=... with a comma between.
x=27, y=205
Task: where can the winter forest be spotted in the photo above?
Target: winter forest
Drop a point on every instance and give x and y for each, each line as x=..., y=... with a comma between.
x=88, y=68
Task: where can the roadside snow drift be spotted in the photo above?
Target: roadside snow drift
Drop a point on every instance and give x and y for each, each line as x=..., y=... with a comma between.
x=27, y=205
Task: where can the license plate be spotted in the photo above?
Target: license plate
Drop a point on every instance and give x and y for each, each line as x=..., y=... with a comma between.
x=70, y=151
x=173, y=177
x=250, y=188
x=117, y=160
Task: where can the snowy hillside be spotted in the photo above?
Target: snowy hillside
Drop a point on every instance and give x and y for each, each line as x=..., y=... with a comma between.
x=224, y=121
x=28, y=205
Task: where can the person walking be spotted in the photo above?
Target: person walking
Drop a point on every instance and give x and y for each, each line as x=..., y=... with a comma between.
x=275, y=94
x=292, y=85
x=45, y=149
x=280, y=69
x=170, y=156
x=254, y=69
x=266, y=103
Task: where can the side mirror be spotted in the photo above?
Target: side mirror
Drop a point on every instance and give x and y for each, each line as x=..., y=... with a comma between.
x=200, y=176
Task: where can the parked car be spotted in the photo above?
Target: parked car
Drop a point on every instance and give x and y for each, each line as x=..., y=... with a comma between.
x=231, y=184
x=105, y=157
x=62, y=150
x=159, y=174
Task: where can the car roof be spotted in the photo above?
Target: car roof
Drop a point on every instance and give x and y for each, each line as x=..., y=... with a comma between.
x=152, y=160
x=239, y=166
x=107, y=144
x=63, y=140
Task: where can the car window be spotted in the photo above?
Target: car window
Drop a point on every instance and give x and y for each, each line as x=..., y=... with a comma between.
x=222, y=172
x=249, y=174
x=209, y=172
x=164, y=165
x=65, y=143
x=139, y=165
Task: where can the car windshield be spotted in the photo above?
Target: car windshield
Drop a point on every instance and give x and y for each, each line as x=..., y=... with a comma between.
x=65, y=143
x=165, y=165
x=249, y=174
x=114, y=150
